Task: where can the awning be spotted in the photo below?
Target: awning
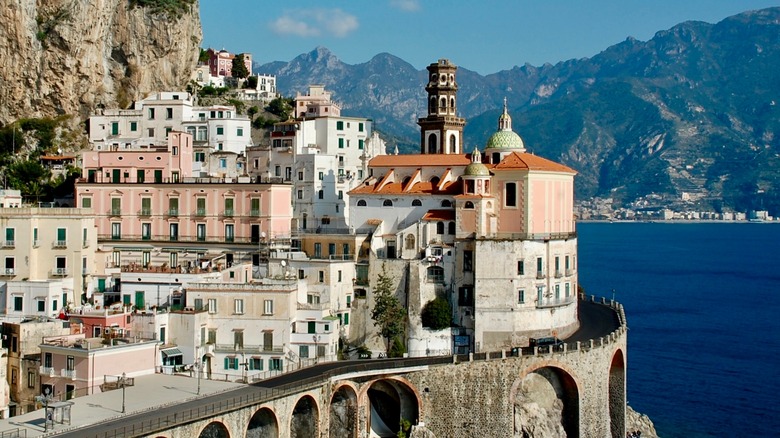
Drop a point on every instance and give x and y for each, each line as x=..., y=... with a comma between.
x=171, y=352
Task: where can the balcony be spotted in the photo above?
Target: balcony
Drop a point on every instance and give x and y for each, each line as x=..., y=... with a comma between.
x=229, y=239
x=115, y=212
x=228, y=213
x=116, y=237
x=71, y=374
x=246, y=348
x=46, y=371
x=60, y=244
x=173, y=212
x=558, y=274
x=254, y=213
x=145, y=212
x=8, y=271
x=59, y=272
x=554, y=302
x=569, y=272
x=85, y=243
x=539, y=275
x=9, y=243
x=201, y=212
x=36, y=243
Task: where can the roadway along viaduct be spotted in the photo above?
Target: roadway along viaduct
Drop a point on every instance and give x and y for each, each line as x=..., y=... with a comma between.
x=582, y=388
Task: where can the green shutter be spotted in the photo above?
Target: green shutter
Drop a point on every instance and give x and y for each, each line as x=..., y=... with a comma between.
x=227, y=363
x=341, y=143
x=9, y=234
x=346, y=319
x=61, y=234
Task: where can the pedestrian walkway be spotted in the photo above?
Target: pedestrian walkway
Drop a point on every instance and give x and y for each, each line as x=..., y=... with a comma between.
x=149, y=393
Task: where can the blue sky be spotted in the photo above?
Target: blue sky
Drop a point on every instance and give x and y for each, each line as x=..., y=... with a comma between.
x=481, y=35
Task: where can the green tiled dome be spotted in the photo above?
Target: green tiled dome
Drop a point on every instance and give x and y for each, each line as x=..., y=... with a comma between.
x=476, y=169
x=505, y=140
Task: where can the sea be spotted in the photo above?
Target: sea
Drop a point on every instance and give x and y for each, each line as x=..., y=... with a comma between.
x=703, y=311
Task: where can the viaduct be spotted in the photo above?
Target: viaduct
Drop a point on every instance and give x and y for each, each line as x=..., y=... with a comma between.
x=493, y=394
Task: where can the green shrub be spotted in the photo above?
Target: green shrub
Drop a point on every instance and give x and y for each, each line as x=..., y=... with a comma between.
x=436, y=314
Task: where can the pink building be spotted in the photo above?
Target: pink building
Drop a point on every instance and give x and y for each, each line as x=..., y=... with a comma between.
x=75, y=365
x=221, y=62
x=150, y=210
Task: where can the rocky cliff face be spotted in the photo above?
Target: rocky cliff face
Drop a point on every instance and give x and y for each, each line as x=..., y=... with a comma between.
x=70, y=56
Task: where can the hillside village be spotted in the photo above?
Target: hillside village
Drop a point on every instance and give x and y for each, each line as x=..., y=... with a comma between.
x=190, y=249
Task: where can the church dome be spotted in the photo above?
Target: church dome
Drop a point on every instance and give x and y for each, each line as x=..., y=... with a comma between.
x=504, y=137
x=505, y=140
x=476, y=169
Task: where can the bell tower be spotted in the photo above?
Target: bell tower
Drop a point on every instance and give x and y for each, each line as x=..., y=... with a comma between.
x=441, y=132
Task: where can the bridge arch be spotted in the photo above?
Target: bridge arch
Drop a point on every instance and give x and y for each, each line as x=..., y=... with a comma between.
x=546, y=393
x=263, y=424
x=617, y=394
x=390, y=402
x=215, y=429
x=343, y=412
x=305, y=421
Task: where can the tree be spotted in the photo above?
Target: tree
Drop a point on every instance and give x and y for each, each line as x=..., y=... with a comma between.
x=436, y=314
x=251, y=82
x=252, y=111
x=280, y=107
x=239, y=69
x=388, y=313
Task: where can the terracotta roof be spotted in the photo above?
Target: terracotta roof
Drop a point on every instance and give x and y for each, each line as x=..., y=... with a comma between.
x=420, y=160
x=437, y=215
x=522, y=160
x=57, y=157
x=396, y=188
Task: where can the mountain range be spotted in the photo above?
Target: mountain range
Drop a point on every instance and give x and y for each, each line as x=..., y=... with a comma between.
x=689, y=117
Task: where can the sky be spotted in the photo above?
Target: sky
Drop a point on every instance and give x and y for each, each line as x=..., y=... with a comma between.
x=485, y=36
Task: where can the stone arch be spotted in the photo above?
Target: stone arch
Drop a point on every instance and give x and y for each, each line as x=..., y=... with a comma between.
x=263, y=424
x=617, y=395
x=546, y=395
x=433, y=146
x=388, y=401
x=215, y=429
x=305, y=419
x=343, y=412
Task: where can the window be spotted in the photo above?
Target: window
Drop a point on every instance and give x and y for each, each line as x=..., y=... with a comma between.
x=510, y=194
x=255, y=363
x=466, y=296
x=212, y=305
x=387, y=203
x=568, y=289
x=62, y=237
x=200, y=232
x=229, y=203
x=321, y=276
x=341, y=143
x=321, y=175
x=173, y=206
x=220, y=130
x=360, y=127
x=86, y=202
x=231, y=363
x=436, y=274
x=229, y=232
x=146, y=231
x=275, y=364
x=268, y=307
x=361, y=203
x=10, y=234
x=30, y=379
x=468, y=205
x=168, y=113
x=446, y=203
x=116, y=230
x=520, y=296
x=320, y=194
x=331, y=249
x=345, y=248
x=61, y=266
x=174, y=232
x=439, y=227
x=223, y=163
x=133, y=126
x=10, y=266
x=300, y=194
x=151, y=114
x=70, y=363
x=318, y=250
x=361, y=144
x=238, y=339
x=416, y=203
x=238, y=306
x=341, y=194
x=239, y=132
x=41, y=305
x=566, y=264
x=451, y=228
x=468, y=261
x=340, y=125
x=539, y=267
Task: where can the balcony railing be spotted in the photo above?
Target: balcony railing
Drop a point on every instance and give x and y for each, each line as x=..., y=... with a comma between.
x=201, y=212
x=228, y=213
x=247, y=348
x=85, y=243
x=254, y=213
x=173, y=212
x=555, y=302
x=178, y=238
x=36, y=243
x=558, y=274
x=539, y=275
x=46, y=371
x=59, y=271
x=9, y=243
x=71, y=374
x=8, y=271
x=145, y=212
x=569, y=272
x=60, y=244
x=115, y=212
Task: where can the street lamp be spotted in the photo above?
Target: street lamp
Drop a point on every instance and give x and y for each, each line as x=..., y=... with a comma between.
x=122, y=382
x=45, y=398
x=316, y=339
x=197, y=366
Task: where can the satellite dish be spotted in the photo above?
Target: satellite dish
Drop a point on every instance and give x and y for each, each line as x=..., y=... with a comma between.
x=283, y=263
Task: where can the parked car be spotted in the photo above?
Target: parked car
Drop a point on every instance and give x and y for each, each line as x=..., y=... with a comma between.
x=545, y=344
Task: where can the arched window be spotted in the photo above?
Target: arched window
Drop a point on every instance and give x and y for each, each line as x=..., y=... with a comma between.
x=361, y=203
x=410, y=241
x=439, y=227
x=432, y=105
x=387, y=203
x=432, y=149
x=443, y=103
x=436, y=274
x=469, y=205
x=416, y=203
x=451, y=228
x=453, y=144
x=435, y=181
x=496, y=158
x=446, y=203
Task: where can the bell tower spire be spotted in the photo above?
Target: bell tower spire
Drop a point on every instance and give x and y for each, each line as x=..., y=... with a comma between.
x=441, y=132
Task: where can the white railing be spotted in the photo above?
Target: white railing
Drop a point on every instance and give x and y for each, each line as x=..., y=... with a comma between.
x=60, y=243
x=71, y=374
x=9, y=243
x=46, y=371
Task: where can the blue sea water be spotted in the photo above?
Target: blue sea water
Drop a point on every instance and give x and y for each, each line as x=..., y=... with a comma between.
x=701, y=301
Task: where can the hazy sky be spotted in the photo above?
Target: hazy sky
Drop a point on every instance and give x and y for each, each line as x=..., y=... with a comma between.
x=482, y=35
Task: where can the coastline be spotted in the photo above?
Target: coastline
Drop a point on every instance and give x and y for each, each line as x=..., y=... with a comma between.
x=674, y=221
